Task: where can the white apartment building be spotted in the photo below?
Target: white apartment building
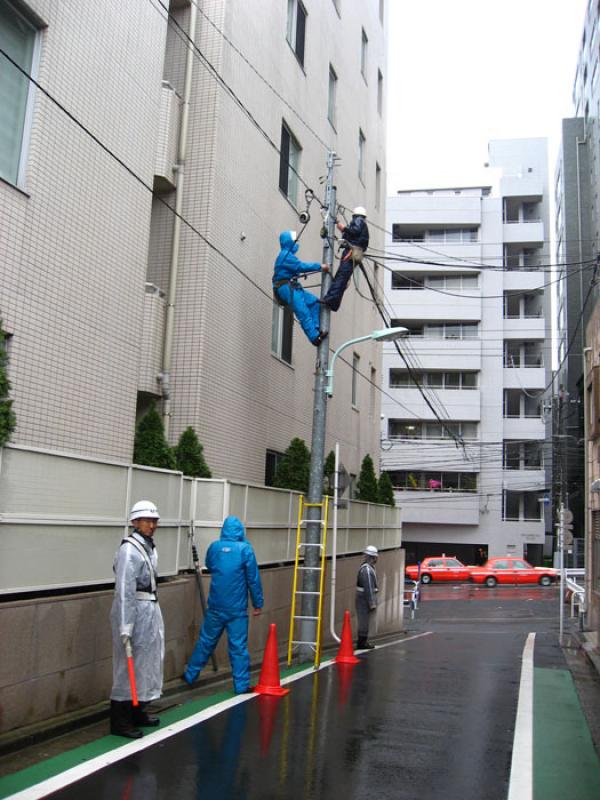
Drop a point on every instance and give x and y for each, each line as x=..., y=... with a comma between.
x=466, y=277
x=93, y=162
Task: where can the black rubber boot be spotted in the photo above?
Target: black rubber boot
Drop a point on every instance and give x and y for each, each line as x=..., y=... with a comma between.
x=361, y=643
x=142, y=718
x=121, y=720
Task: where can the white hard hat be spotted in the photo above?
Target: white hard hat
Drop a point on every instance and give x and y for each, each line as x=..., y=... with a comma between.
x=359, y=211
x=371, y=550
x=144, y=509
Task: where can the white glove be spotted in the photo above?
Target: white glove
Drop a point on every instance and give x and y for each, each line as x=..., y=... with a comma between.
x=126, y=639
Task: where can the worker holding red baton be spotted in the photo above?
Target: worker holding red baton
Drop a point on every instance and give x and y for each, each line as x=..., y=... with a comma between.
x=137, y=627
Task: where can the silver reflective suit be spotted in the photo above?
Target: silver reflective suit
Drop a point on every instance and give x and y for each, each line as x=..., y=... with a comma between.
x=134, y=613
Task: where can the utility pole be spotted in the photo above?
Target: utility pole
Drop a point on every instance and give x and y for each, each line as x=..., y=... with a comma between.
x=314, y=533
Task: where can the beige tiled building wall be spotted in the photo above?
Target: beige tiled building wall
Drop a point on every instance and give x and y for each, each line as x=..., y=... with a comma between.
x=87, y=236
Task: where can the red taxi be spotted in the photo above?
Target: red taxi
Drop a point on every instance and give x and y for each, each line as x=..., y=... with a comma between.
x=509, y=569
x=439, y=568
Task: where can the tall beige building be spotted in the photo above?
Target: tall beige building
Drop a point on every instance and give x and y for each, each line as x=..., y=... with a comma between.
x=92, y=162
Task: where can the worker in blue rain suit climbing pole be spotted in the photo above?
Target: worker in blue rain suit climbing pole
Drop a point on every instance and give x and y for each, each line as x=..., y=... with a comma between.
x=136, y=622
x=234, y=572
x=288, y=290
x=356, y=237
x=366, y=596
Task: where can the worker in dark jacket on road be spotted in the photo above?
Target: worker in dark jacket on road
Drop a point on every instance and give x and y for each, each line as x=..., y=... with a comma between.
x=366, y=596
x=288, y=290
x=234, y=572
x=356, y=238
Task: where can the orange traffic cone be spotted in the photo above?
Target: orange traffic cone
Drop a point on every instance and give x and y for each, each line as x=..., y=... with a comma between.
x=269, y=683
x=346, y=652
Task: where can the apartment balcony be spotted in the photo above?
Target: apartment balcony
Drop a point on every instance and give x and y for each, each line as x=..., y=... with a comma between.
x=433, y=353
x=428, y=507
x=429, y=455
x=524, y=328
x=470, y=251
x=526, y=189
x=530, y=234
x=165, y=176
x=523, y=428
x=524, y=480
x=461, y=404
x=523, y=280
x=421, y=305
x=529, y=377
x=152, y=340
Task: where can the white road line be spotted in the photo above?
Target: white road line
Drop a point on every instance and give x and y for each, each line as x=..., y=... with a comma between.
x=521, y=768
x=397, y=641
x=41, y=790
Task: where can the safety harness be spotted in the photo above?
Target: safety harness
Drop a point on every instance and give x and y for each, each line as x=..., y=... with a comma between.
x=144, y=595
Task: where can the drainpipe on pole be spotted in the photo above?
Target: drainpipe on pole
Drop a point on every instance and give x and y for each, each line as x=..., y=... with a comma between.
x=336, y=491
x=174, y=264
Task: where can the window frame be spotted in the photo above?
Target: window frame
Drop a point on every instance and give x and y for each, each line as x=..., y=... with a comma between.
x=18, y=179
x=332, y=96
x=295, y=33
x=289, y=164
x=282, y=332
x=362, y=146
x=364, y=54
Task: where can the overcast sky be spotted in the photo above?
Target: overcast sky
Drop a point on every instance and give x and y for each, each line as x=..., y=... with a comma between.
x=464, y=72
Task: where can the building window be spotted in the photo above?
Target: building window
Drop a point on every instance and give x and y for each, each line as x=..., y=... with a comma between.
x=355, y=374
x=377, y=185
x=379, y=92
x=364, y=52
x=282, y=329
x=331, y=95
x=521, y=506
x=372, y=388
x=404, y=233
x=415, y=429
x=296, y=28
x=415, y=281
x=441, y=330
x=405, y=480
x=18, y=40
x=381, y=10
x=523, y=455
x=289, y=161
x=272, y=461
x=361, y=155
x=403, y=379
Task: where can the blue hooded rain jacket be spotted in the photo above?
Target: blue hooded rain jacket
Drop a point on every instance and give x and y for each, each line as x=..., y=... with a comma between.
x=234, y=572
x=287, y=268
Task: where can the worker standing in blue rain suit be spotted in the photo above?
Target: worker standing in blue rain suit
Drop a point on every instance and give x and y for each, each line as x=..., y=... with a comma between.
x=234, y=572
x=356, y=237
x=287, y=288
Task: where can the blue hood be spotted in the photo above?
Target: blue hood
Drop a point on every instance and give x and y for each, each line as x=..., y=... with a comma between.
x=233, y=530
x=287, y=243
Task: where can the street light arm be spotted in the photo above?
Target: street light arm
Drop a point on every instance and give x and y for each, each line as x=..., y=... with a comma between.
x=329, y=373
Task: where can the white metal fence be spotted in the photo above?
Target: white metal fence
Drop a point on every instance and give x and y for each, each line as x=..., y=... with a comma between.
x=62, y=517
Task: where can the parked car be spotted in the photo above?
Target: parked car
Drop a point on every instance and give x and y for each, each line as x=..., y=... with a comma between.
x=509, y=569
x=439, y=568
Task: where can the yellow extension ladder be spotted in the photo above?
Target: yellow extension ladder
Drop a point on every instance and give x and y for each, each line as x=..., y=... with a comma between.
x=298, y=567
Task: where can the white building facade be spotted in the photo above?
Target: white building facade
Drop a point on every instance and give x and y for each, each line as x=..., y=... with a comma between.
x=89, y=179
x=466, y=275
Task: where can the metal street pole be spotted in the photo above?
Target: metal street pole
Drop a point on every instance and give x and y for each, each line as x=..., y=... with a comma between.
x=313, y=536
x=560, y=529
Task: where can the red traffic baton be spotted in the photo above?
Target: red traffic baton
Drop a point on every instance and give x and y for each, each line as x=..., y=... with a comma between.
x=131, y=670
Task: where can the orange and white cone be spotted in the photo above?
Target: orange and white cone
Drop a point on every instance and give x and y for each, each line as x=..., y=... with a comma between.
x=269, y=682
x=346, y=652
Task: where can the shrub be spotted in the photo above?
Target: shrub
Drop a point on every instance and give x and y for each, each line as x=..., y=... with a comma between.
x=367, y=481
x=189, y=455
x=293, y=471
x=151, y=447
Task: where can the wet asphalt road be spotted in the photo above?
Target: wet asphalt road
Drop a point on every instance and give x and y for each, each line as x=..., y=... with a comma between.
x=429, y=718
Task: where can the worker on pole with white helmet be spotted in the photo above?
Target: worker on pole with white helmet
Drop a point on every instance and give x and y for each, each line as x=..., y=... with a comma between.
x=355, y=238
x=366, y=596
x=137, y=626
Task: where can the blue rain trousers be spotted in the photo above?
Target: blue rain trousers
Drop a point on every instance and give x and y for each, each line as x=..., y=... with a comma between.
x=305, y=305
x=236, y=626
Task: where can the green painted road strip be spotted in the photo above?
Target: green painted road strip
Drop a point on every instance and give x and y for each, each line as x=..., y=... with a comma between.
x=565, y=763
